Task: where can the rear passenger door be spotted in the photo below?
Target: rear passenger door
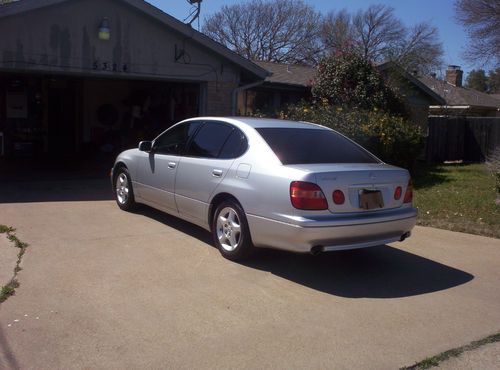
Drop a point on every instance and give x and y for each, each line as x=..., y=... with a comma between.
x=206, y=162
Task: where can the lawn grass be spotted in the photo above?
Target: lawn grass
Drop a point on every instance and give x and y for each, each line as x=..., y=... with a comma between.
x=457, y=197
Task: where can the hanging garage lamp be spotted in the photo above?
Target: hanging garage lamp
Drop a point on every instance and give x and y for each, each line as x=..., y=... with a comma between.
x=104, y=30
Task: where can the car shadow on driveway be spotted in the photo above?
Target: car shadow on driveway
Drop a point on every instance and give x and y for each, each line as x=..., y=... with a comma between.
x=7, y=358
x=176, y=223
x=56, y=191
x=377, y=272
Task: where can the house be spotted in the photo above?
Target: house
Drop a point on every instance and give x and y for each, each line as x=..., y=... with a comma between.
x=285, y=84
x=290, y=84
x=460, y=101
x=81, y=78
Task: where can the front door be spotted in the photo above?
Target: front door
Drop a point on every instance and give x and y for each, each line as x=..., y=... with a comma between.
x=158, y=170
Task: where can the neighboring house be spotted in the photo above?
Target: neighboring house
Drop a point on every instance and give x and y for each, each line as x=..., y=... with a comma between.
x=417, y=96
x=94, y=76
x=290, y=84
x=286, y=84
x=460, y=101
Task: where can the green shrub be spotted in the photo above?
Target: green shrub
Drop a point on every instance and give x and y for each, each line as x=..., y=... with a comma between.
x=349, y=80
x=391, y=138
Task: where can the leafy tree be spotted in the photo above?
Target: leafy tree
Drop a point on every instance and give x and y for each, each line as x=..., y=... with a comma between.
x=378, y=35
x=349, y=80
x=283, y=31
x=477, y=80
x=481, y=19
x=494, y=81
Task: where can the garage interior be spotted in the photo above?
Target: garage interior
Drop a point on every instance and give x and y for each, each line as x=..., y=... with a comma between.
x=68, y=122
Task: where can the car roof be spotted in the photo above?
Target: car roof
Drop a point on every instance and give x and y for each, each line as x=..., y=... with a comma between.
x=265, y=122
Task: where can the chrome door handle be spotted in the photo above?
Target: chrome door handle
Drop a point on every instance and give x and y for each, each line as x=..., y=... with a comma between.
x=172, y=165
x=217, y=173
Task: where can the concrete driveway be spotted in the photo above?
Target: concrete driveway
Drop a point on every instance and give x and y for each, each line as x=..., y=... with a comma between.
x=101, y=288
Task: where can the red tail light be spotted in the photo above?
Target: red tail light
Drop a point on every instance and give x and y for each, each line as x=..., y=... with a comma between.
x=409, y=192
x=397, y=193
x=307, y=196
x=338, y=197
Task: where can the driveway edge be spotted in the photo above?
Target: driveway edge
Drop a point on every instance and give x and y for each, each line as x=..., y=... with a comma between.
x=455, y=352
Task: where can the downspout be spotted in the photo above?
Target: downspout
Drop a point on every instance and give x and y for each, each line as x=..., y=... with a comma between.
x=240, y=89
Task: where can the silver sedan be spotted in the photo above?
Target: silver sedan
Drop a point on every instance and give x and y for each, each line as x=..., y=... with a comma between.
x=252, y=182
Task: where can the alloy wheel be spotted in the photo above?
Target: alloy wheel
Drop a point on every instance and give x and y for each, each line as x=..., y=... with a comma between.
x=228, y=229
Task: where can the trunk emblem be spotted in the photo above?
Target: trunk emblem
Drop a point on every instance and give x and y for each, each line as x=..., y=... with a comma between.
x=372, y=176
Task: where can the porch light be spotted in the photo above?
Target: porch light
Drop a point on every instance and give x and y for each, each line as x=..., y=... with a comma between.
x=104, y=30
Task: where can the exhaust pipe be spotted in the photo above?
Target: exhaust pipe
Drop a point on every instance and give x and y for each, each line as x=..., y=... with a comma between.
x=404, y=236
x=316, y=250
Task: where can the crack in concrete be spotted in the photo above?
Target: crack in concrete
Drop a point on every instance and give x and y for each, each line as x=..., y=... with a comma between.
x=10, y=288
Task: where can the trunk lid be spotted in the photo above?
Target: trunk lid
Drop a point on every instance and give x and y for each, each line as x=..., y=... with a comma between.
x=353, y=179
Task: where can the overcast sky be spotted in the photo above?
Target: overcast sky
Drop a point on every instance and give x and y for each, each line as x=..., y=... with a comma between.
x=439, y=12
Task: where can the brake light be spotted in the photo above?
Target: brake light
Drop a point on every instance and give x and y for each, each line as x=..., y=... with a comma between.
x=397, y=193
x=409, y=192
x=307, y=196
x=338, y=197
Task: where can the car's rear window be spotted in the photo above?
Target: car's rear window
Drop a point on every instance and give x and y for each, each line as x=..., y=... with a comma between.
x=307, y=146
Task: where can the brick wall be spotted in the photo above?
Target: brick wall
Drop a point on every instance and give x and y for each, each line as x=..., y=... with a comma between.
x=219, y=98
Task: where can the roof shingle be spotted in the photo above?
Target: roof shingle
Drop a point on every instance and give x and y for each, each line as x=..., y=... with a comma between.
x=460, y=96
x=288, y=74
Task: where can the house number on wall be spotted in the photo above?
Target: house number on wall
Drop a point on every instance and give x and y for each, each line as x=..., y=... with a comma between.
x=112, y=67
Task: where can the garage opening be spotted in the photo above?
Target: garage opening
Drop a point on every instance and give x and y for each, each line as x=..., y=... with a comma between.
x=62, y=123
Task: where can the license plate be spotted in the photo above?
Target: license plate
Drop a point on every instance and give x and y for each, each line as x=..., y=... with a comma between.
x=370, y=199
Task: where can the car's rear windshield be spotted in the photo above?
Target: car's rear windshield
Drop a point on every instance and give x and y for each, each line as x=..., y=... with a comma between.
x=308, y=146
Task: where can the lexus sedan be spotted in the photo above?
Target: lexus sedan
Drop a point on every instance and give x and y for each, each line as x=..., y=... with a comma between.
x=251, y=182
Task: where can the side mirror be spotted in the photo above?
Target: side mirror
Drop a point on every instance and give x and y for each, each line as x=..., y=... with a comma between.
x=145, y=146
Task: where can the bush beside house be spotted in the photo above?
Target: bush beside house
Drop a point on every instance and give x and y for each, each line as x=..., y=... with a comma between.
x=351, y=96
x=390, y=137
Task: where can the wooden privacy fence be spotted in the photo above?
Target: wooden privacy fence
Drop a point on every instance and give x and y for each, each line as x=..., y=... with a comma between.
x=469, y=139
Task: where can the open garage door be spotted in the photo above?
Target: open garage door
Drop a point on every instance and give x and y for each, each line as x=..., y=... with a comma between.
x=65, y=123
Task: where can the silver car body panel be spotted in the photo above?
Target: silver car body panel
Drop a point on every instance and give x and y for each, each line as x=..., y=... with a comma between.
x=261, y=184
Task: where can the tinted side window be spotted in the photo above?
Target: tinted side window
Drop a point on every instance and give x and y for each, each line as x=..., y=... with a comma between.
x=209, y=140
x=307, y=146
x=236, y=144
x=174, y=141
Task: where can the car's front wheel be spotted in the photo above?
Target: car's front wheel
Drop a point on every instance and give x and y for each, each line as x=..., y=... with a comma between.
x=124, y=194
x=230, y=231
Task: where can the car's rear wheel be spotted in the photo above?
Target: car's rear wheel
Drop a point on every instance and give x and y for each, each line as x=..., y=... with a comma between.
x=230, y=231
x=124, y=193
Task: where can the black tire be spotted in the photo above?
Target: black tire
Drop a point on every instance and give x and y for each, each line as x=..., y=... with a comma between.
x=124, y=193
x=231, y=237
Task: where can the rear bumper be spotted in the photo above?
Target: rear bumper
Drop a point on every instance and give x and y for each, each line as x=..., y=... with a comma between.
x=333, y=233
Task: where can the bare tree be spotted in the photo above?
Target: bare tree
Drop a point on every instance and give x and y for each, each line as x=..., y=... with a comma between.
x=481, y=18
x=337, y=33
x=283, y=31
x=376, y=30
x=378, y=35
x=419, y=49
